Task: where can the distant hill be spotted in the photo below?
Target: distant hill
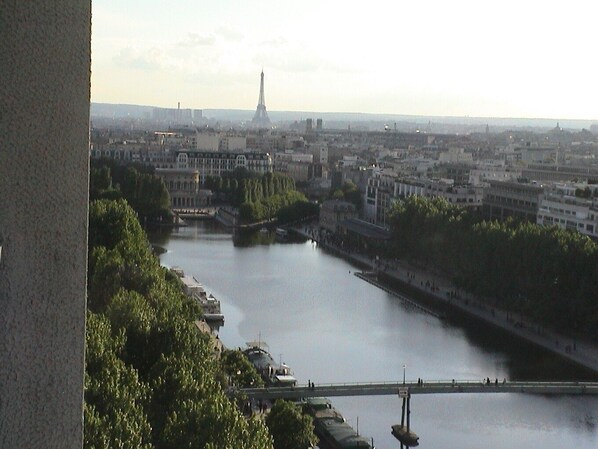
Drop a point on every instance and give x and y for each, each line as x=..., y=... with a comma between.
x=145, y=112
x=120, y=110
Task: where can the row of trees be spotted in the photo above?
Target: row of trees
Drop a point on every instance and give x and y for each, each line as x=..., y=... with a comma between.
x=273, y=195
x=226, y=187
x=242, y=186
x=258, y=197
x=547, y=273
x=151, y=378
x=297, y=211
x=262, y=197
x=290, y=203
x=259, y=189
x=145, y=192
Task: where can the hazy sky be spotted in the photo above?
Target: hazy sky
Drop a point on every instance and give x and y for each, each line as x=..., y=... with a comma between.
x=521, y=58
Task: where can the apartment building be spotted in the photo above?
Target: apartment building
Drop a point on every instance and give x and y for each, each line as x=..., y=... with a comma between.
x=380, y=192
x=216, y=163
x=385, y=187
x=571, y=206
x=511, y=199
x=576, y=214
x=552, y=172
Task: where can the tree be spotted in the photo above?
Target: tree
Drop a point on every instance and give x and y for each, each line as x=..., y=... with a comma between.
x=114, y=395
x=551, y=271
x=119, y=253
x=297, y=211
x=239, y=369
x=352, y=194
x=290, y=429
x=100, y=180
x=152, y=380
x=145, y=192
x=338, y=195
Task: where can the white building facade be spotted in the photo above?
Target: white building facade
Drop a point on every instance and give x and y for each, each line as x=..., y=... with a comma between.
x=380, y=192
x=569, y=212
x=216, y=163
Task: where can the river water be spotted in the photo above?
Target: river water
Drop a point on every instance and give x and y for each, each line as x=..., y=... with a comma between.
x=330, y=326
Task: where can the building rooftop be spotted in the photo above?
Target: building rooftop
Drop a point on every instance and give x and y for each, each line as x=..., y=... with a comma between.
x=366, y=229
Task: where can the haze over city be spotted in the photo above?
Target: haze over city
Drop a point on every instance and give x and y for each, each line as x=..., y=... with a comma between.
x=459, y=58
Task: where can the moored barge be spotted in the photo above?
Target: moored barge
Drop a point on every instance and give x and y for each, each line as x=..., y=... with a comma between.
x=210, y=306
x=275, y=374
x=331, y=428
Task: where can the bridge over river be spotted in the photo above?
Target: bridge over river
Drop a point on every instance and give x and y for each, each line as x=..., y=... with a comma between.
x=428, y=387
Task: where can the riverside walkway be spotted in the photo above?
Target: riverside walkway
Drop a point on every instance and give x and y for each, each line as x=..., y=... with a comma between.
x=436, y=286
x=429, y=387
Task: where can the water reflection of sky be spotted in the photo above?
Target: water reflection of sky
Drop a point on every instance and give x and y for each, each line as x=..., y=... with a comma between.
x=330, y=326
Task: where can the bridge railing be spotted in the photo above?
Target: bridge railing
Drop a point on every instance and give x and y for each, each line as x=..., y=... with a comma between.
x=429, y=383
x=411, y=383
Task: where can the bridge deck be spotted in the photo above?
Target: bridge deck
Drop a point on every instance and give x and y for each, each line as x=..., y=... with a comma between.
x=429, y=387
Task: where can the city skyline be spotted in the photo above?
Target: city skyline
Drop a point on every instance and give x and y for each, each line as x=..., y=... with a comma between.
x=429, y=58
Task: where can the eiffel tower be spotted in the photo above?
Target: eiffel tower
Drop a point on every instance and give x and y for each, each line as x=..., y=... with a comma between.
x=260, y=119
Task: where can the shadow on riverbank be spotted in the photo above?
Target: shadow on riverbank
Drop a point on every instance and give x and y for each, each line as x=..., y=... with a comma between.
x=474, y=315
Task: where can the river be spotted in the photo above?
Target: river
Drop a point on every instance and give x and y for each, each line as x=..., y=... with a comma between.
x=331, y=326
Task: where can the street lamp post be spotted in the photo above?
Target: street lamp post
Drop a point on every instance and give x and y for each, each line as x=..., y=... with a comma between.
x=404, y=374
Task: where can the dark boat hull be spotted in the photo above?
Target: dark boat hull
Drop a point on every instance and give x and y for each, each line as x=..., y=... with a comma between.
x=407, y=437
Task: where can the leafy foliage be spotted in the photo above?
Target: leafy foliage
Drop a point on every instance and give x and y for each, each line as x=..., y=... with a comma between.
x=152, y=380
x=261, y=197
x=271, y=206
x=114, y=395
x=547, y=273
x=289, y=427
x=297, y=211
x=348, y=192
x=240, y=371
x=145, y=192
x=119, y=254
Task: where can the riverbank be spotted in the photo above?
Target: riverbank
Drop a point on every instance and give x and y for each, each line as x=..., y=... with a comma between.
x=229, y=217
x=332, y=327
x=442, y=290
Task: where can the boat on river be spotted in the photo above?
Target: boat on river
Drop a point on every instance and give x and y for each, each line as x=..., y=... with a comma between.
x=210, y=306
x=331, y=428
x=274, y=374
x=406, y=436
x=282, y=235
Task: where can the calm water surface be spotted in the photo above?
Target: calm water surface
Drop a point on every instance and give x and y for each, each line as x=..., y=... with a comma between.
x=330, y=326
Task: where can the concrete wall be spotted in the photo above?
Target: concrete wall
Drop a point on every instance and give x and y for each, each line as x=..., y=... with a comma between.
x=44, y=136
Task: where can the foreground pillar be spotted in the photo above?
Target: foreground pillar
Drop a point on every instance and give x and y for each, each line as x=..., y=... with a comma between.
x=44, y=138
